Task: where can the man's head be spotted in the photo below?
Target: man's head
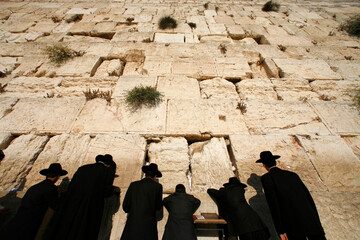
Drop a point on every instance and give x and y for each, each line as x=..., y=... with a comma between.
x=53, y=172
x=151, y=171
x=2, y=155
x=180, y=188
x=267, y=159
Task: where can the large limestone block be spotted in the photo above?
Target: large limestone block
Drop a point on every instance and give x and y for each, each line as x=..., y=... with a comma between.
x=339, y=214
x=104, y=27
x=310, y=69
x=246, y=150
x=99, y=117
x=201, y=69
x=336, y=90
x=294, y=89
x=215, y=39
x=127, y=83
x=133, y=37
x=112, y=67
x=29, y=65
x=349, y=70
x=128, y=151
x=172, y=157
x=82, y=28
x=42, y=115
x=31, y=86
x=354, y=143
x=261, y=89
x=286, y=40
x=282, y=117
x=210, y=164
x=236, y=31
x=218, y=88
x=169, y=38
x=5, y=139
x=68, y=150
x=178, y=87
x=20, y=156
x=84, y=66
x=204, y=116
x=44, y=27
x=335, y=162
x=217, y=28
x=78, y=10
x=233, y=67
x=341, y=118
x=157, y=67
x=6, y=104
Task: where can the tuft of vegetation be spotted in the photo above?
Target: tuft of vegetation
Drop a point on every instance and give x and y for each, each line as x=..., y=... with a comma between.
x=146, y=40
x=217, y=9
x=325, y=97
x=282, y=48
x=192, y=25
x=242, y=107
x=2, y=88
x=167, y=22
x=129, y=20
x=92, y=94
x=206, y=5
x=223, y=48
x=271, y=6
x=59, y=54
x=352, y=26
x=143, y=96
x=55, y=19
x=74, y=18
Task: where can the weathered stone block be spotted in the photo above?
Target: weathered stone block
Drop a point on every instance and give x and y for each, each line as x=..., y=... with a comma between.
x=218, y=88
x=261, y=89
x=235, y=31
x=335, y=162
x=204, y=116
x=286, y=41
x=349, y=70
x=78, y=10
x=294, y=89
x=20, y=156
x=169, y=38
x=178, y=87
x=6, y=105
x=127, y=83
x=282, y=117
x=42, y=115
x=133, y=37
x=215, y=39
x=233, y=68
x=5, y=139
x=336, y=90
x=79, y=66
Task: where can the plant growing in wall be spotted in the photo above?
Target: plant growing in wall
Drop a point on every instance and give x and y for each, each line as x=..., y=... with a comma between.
x=60, y=54
x=192, y=25
x=167, y=22
x=271, y=6
x=129, y=20
x=352, y=26
x=143, y=96
x=206, y=5
x=223, y=48
x=92, y=94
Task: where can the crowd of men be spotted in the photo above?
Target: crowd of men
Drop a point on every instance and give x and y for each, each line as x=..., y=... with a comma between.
x=79, y=213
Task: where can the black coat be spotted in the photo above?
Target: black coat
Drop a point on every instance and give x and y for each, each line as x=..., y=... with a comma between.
x=143, y=198
x=241, y=218
x=79, y=216
x=292, y=208
x=180, y=224
x=29, y=216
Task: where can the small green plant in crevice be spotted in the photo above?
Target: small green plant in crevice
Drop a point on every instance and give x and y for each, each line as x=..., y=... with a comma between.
x=352, y=26
x=129, y=20
x=223, y=48
x=206, y=5
x=282, y=48
x=271, y=6
x=167, y=22
x=55, y=19
x=59, y=54
x=242, y=107
x=325, y=97
x=143, y=96
x=92, y=94
x=192, y=25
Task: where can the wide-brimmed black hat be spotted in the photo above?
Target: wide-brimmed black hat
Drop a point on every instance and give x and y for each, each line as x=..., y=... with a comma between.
x=233, y=181
x=152, y=168
x=54, y=168
x=267, y=157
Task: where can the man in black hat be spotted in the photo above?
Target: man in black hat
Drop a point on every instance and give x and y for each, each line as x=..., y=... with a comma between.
x=292, y=208
x=242, y=220
x=181, y=207
x=81, y=212
x=143, y=198
x=34, y=205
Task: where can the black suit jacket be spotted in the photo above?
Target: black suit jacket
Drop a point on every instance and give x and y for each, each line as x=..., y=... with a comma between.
x=180, y=224
x=80, y=214
x=34, y=205
x=292, y=207
x=143, y=198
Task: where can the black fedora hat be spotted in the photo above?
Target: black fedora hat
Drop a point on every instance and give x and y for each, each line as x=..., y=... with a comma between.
x=54, y=168
x=108, y=160
x=267, y=157
x=233, y=181
x=152, y=168
x=99, y=158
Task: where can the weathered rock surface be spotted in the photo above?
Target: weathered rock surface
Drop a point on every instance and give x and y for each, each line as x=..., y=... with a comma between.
x=178, y=87
x=250, y=89
x=218, y=89
x=6, y=105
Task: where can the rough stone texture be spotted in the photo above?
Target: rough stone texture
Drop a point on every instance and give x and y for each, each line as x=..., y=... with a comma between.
x=341, y=118
x=31, y=86
x=178, y=87
x=218, y=89
x=5, y=139
x=233, y=68
x=294, y=89
x=250, y=89
x=349, y=70
x=354, y=143
x=310, y=69
x=282, y=117
x=205, y=116
x=6, y=105
x=336, y=90
x=20, y=156
x=246, y=150
x=335, y=162
x=286, y=41
x=210, y=164
x=34, y=115
x=169, y=38
x=172, y=157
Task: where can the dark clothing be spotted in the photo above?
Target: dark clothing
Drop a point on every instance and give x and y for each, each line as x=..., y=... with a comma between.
x=34, y=205
x=80, y=214
x=142, y=200
x=242, y=219
x=292, y=208
x=180, y=224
